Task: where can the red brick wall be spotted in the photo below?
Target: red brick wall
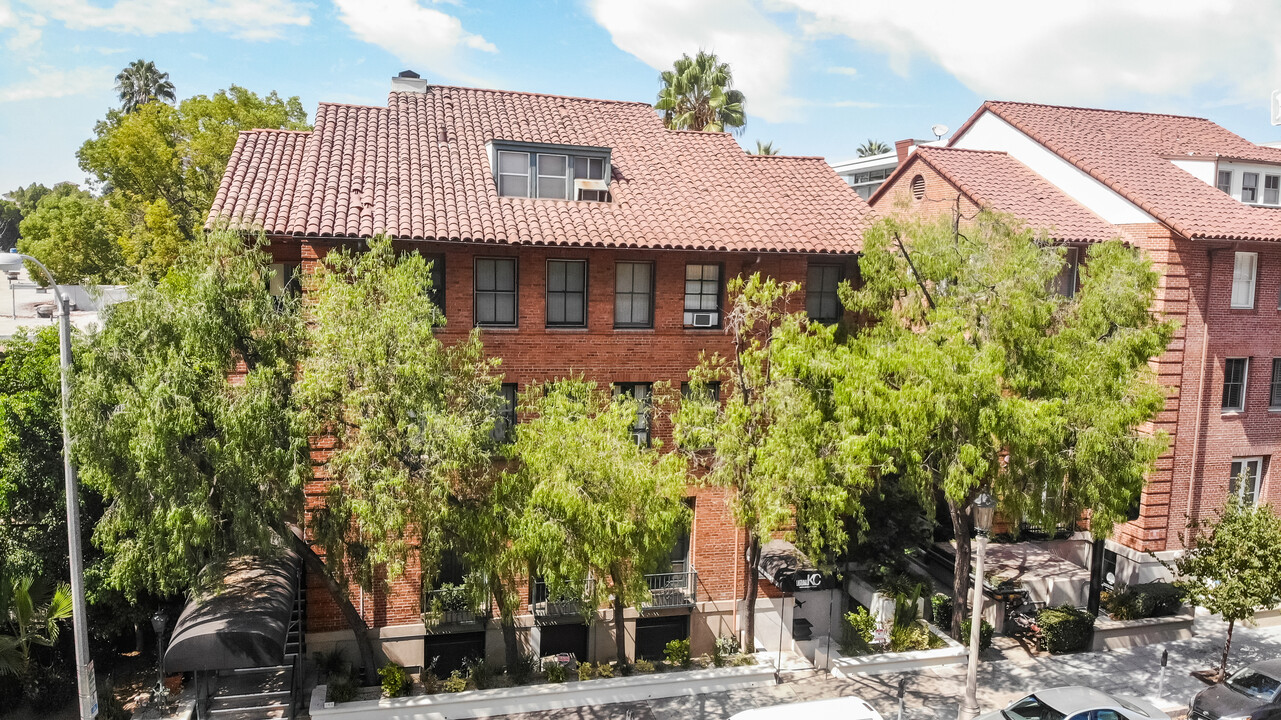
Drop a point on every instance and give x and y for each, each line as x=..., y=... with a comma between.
x=533, y=353
x=939, y=199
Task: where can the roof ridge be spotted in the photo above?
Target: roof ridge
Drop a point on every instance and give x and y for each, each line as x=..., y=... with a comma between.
x=932, y=148
x=1095, y=109
x=527, y=92
x=322, y=103
x=686, y=131
x=277, y=130
x=786, y=157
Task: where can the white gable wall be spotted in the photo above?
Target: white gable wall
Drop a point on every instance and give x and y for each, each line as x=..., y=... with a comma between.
x=990, y=132
x=1203, y=170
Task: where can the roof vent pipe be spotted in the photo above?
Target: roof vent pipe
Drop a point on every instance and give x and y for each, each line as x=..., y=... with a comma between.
x=408, y=81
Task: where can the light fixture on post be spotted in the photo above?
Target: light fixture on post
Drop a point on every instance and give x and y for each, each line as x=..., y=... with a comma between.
x=85, y=680
x=983, y=509
x=159, y=622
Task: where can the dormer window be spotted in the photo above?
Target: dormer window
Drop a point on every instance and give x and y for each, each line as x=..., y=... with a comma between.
x=1225, y=181
x=1249, y=187
x=556, y=172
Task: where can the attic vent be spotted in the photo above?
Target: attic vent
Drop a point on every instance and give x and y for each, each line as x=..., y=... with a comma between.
x=918, y=187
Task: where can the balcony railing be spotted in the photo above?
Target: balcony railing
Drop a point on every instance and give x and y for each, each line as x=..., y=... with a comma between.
x=450, y=606
x=668, y=590
x=546, y=603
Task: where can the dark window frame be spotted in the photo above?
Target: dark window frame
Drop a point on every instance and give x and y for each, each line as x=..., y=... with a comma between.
x=437, y=293
x=649, y=294
x=645, y=414
x=565, y=294
x=1234, y=387
x=720, y=296
x=811, y=292
x=292, y=284
x=1274, y=397
x=504, y=430
x=514, y=292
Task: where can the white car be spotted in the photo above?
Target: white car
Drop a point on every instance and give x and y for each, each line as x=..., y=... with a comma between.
x=842, y=708
x=1076, y=703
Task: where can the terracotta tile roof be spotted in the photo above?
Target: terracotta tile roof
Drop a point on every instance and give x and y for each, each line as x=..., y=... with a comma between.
x=996, y=181
x=1130, y=152
x=419, y=169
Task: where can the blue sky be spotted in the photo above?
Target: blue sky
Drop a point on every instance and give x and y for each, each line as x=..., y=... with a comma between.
x=821, y=76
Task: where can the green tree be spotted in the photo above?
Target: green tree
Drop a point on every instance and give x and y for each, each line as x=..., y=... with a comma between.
x=769, y=444
x=600, y=504
x=160, y=165
x=183, y=421
x=76, y=237
x=10, y=217
x=140, y=83
x=697, y=95
x=973, y=373
x=410, y=417
x=1232, y=566
x=30, y=613
x=765, y=148
x=26, y=198
x=872, y=147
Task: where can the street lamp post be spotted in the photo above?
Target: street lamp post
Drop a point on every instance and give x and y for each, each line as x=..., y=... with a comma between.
x=984, y=509
x=158, y=623
x=84, y=666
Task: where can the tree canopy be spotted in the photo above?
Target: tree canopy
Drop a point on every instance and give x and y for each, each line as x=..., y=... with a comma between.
x=183, y=418
x=872, y=147
x=697, y=94
x=140, y=83
x=76, y=237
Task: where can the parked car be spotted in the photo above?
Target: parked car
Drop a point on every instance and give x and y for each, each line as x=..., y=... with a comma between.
x=1254, y=691
x=1076, y=703
x=842, y=708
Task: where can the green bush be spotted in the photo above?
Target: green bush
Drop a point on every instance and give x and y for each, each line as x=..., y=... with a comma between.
x=555, y=672
x=985, y=634
x=677, y=653
x=605, y=670
x=395, y=680
x=455, y=683
x=479, y=673
x=522, y=669
x=1065, y=628
x=941, y=609
x=742, y=659
x=726, y=647
x=342, y=690
x=644, y=666
x=48, y=688
x=585, y=671
x=857, y=638
x=1134, y=602
x=449, y=598
x=906, y=638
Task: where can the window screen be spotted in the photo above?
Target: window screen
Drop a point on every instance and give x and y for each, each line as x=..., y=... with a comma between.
x=1234, y=377
x=495, y=292
x=1272, y=189
x=566, y=293
x=553, y=176
x=821, y=300
x=703, y=294
x=1225, y=181
x=1244, y=269
x=1249, y=187
x=634, y=294
x=513, y=173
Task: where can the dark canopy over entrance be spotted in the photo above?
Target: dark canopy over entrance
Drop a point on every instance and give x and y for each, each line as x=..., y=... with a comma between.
x=789, y=570
x=240, y=619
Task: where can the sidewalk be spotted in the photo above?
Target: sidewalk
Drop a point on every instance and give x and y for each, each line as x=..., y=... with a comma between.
x=1006, y=673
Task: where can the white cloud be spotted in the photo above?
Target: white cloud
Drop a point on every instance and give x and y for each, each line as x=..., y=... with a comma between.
x=1089, y=51
x=658, y=32
x=45, y=83
x=847, y=71
x=23, y=29
x=243, y=19
x=427, y=39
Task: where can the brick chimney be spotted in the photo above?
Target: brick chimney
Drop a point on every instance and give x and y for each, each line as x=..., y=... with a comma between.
x=903, y=147
x=408, y=81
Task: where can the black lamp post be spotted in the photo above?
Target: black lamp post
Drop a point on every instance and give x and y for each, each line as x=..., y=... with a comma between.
x=158, y=623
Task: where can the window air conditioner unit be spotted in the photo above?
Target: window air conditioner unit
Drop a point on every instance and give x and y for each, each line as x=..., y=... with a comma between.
x=704, y=320
x=582, y=184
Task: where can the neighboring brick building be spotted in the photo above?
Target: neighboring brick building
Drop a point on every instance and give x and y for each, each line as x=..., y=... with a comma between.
x=582, y=236
x=1206, y=206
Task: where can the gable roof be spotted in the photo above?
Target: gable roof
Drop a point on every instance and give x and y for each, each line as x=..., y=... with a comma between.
x=1129, y=152
x=996, y=181
x=419, y=169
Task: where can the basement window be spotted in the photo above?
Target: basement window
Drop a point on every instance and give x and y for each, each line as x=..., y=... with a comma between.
x=554, y=172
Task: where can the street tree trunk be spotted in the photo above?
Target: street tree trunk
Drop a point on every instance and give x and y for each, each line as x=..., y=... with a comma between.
x=960, y=567
x=753, y=563
x=507, y=619
x=620, y=639
x=357, y=624
x=1227, y=646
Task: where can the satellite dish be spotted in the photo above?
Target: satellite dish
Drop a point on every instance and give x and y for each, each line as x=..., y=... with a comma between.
x=939, y=131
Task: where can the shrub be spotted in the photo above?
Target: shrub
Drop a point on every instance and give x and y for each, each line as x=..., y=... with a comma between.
x=605, y=670
x=1065, y=628
x=985, y=634
x=555, y=672
x=395, y=680
x=906, y=638
x=109, y=706
x=1154, y=599
x=48, y=688
x=725, y=647
x=331, y=664
x=431, y=683
x=743, y=659
x=455, y=683
x=941, y=609
x=857, y=636
x=677, y=653
x=626, y=669
x=522, y=669
x=480, y=674
x=585, y=671
x=341, y=691
x=644, y=666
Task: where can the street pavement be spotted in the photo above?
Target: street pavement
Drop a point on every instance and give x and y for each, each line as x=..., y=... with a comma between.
x=1006, y=673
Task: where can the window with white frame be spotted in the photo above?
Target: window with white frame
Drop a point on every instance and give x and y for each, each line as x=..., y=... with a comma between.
x=1225, y=181
x=558, y=172
x=553, y=176
x=1274, y=394
x=1272, y=189
x=566, y=293
x=494, y=295
x=1235, y=373
x=1249, y=187
x=634, y=295
x=703, y=296
x=1245, y=268
x=513, y=173
x=1245, y=479
x=822, y=302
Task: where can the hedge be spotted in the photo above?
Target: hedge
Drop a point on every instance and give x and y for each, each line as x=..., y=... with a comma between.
x=1153, y=599
x=1065, y=628
x=985, y=634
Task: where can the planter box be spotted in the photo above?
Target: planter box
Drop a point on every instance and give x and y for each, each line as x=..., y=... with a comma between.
x=1267, y=618
x=953, y=653
x=1118, y=634
x=550, y=696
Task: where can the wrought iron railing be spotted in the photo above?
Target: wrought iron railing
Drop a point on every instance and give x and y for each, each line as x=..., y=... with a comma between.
x=667, y=590
x=451, y=606
x=545, y=602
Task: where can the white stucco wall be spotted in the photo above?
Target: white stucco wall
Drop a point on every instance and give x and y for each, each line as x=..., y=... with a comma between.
x=990, y=132
x=1238, y=170
x=1203, y=170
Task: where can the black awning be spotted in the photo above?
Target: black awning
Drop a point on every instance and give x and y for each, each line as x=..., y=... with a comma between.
x=240, y=619
x=789, y=570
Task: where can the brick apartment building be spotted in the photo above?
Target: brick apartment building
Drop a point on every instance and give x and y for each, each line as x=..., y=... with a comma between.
x=582, y=237
x=1206, y=206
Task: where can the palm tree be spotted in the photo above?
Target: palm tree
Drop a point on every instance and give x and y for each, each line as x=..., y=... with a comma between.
x=140, y=83
x=696, y=95
x=766, y=148
x=31, y=613
x=872, y=147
